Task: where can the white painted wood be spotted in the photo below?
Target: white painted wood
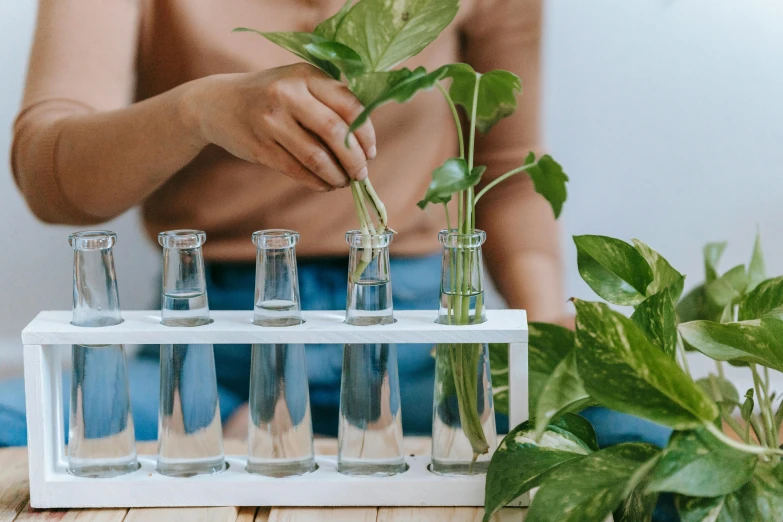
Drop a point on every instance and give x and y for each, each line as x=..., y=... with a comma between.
x=236, y=327
x=51, y=486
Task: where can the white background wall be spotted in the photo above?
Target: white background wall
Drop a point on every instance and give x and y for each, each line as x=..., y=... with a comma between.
x=666, y=113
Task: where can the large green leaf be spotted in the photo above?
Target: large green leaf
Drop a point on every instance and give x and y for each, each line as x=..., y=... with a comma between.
x=498, y=368
x=592, y=487
x=613, y=269
x=497, y=93
x=339, y=55
x=638, y=506
x=757, y=272
x=549, y=180
x=757, y=341
x=387, y=32
x=401, y=91
x=369, y=86
x=563, y=393
x=621, y=369
x=450, y=178
x=328, y=28
x=664, y=276
x=296, y=43
x=729, y=288
x=655, y=316
x=548, y=344
x=766, y=300
x=761, y=499
x=712, y=254
x=713, y=301
x=520, y=463
x=696, y=464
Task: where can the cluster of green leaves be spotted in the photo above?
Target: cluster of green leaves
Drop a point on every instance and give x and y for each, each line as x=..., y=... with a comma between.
x=637, y=365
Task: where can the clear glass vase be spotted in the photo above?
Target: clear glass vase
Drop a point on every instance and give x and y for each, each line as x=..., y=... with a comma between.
x=190, y=434
x=280, y=429
x=370, y=429
x=463, y=418
x=101, y=440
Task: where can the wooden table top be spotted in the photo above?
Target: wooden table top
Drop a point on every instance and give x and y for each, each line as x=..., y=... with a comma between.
x=15, y=506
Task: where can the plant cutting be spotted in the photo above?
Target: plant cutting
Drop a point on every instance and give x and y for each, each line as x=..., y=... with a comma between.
x=362, y=43
x=719, y=467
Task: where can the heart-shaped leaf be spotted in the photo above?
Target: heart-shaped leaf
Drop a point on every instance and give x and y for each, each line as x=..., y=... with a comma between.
x=549, y=180
x=450, y=178
x=695, y=463
x=296, y=43
x=388, y=32
x=497, y=93
x=729, y=288
x=548, y=344
x=520, y=463
x=339, y=55
x=655, y=316
x=613, y=269
x=757, y=341
x=719, y=389
x=766, y=300
x=369, y=86
x=563, y=393
x=664, y=276
x=592, y=487
x=328, y=28
x=713, y=301
x=621, y=369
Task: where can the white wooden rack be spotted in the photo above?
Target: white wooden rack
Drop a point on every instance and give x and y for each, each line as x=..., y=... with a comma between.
x=51, y=486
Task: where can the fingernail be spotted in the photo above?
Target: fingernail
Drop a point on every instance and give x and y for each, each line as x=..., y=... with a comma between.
x=372, y=152
x=362, y=174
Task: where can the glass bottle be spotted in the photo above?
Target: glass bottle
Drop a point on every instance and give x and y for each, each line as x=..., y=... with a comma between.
x=370, y=429
x=101, y=440
x=190, y=435
x=463, y=418
x=280, y=429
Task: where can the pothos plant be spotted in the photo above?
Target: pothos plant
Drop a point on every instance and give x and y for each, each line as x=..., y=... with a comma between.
x=362, y=44
x=637, y=365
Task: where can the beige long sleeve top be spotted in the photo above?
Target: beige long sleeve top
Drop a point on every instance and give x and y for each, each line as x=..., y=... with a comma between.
x=95, y=56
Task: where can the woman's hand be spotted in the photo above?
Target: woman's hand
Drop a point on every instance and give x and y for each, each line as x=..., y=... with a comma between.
x=292, y=119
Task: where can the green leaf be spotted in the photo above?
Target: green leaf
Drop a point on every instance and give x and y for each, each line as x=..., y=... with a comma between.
x=779, y=416
x=549, y=180
x=296, y=43
x=655, y=316
x=719, y=389
x=548, y=344
x=520, y=463
x=450, y=178
x=369, y=86
x=341, y=56
x=712, y=254
x=624, y=371
x=400, y=91
x=758, y=341
x=729, y=288
x=328, y=28
x=562, y=393
x=698, y=509
x=639, y=506
x=498, y=367
x=387, y=32
x=497, y=93
x=747, y=406
x=713, y=301
x=613, y=269
x=757, y=272
x=664, y=276
x=592, y=487
x=695, y=306
x=696, y=464
x=766, y=300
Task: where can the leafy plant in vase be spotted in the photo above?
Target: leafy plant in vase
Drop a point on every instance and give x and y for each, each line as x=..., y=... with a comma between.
x=637, y=365
x=363, y=43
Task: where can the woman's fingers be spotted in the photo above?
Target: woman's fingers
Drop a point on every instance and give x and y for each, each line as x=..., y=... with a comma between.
x=332, y=130
x=309, y=152
x=341, y=100
x=283, y=161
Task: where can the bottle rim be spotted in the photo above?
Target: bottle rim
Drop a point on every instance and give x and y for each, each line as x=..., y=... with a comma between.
x=360, y=239
x=92, y=240
x=454, y=239
x=183, y=238
x=275, y=238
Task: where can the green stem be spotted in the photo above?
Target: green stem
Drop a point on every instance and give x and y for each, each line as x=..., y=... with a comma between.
x=503, y=178
x=740, y=446
x=684, y=357
x=378, y=206
x=469, y=203
x=455, y=115
x=764, y=406
x=719, y=366
x=734, y=425
x=448, y=218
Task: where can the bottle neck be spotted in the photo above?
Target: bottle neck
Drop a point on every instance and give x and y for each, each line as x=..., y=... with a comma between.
x=369, y=287
x=462, y=286
x=277, y=288
x=96, y=300
x=184, y=288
